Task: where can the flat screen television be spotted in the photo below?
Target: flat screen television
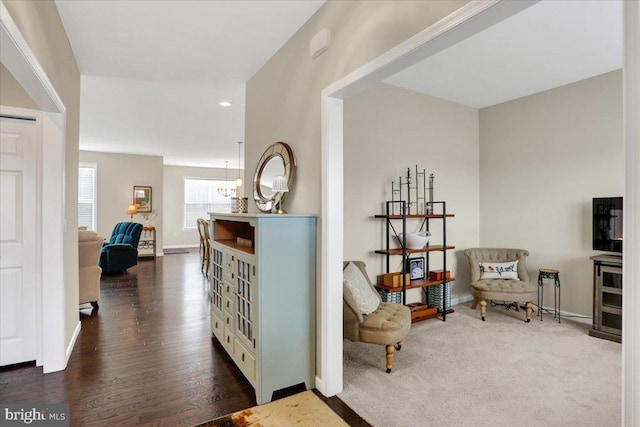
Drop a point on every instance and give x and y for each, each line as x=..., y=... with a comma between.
x=607, y=224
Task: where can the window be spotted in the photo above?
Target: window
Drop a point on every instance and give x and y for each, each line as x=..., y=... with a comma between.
x=87, y=195
x=201, y=197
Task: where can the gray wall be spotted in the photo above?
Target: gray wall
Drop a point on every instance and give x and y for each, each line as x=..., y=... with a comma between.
x=388, y=129
x=117, y=174
x=542, y=159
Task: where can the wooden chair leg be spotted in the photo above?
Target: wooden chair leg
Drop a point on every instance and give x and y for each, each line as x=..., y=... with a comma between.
x=515, y=303
x=390, y=351
x=528, y=312
x=399, y=345
x=474, y=304
x=483, y=309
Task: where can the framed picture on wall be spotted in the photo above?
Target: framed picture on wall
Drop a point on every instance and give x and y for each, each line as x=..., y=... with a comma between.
x=142, y=198
x=415, y=267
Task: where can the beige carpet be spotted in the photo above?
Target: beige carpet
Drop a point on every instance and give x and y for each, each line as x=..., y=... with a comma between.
x=302, y=409
x=502, y=372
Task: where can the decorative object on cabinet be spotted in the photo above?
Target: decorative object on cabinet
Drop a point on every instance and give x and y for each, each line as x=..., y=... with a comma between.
x=403, y=190
x=263, y=297
x=89, y=246
x=394, y=280
x=415, y=267
x=439, y=274
x=121, y=251
x=132, y=210
x=422, y=283
x=224, y=189
x=149, y=217
x=142, y=198
x=279, y=188
x=239, y=204
x=415, y=240
x=508, y=290
x=607, y=297
x=147, y=243
x=277, y=160
x=388, y=325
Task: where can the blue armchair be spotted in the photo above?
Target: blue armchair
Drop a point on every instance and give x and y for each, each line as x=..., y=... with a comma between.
x=121, y=251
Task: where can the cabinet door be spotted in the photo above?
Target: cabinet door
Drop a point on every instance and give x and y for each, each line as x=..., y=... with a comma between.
x=610, y=288
x=216, y=277
x=217, y=326
x=246, y=295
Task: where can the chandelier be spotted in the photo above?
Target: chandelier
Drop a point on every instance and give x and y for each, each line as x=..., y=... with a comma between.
x=225, y=190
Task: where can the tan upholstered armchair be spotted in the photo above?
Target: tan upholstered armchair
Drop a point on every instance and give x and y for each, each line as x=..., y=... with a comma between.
x=504, y=289
x=89, y=247
x=388, y=325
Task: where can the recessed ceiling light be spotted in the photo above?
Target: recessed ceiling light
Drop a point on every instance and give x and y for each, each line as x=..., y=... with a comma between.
x=224, y=104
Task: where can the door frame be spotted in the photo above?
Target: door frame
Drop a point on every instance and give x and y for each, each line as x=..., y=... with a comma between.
x=466, y=21
x=52, y=348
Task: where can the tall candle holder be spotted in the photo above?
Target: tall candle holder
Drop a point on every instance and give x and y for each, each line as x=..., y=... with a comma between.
x=417, y=186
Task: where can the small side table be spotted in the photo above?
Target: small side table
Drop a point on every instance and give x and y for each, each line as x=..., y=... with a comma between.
x=147, y=243
x=548, y=273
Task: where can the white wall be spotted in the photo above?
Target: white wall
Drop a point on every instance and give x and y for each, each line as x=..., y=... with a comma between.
x=542, y=159
x=386, y=130
x=41, y=26
x=174, y=234
x=117, y=174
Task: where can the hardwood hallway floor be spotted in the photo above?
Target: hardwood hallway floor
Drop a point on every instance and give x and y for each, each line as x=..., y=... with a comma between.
x=145, y=357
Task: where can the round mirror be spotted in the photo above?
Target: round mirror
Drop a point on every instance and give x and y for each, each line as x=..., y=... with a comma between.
x=277, y=160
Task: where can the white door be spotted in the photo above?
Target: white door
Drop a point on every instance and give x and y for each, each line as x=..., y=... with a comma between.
x=17, y=241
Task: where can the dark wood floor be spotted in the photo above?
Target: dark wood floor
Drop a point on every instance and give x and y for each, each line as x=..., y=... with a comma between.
x=146, y=356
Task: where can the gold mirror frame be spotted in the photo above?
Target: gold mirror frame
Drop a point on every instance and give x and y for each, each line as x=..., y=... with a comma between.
x=277, y=150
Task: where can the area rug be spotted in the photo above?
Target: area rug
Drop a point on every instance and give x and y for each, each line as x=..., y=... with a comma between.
x=302, y=409
x=501, y=372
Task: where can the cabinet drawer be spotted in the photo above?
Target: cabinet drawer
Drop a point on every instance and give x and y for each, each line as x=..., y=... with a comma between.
x=217, y=327
x=228, y=341
x=245, y=361
x=228, y=305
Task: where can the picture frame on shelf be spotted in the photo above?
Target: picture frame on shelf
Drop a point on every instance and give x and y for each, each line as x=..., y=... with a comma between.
x=142, y=198
x=415, y=268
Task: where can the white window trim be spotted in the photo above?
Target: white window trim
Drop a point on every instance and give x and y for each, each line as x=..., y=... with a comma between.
x=95, y=190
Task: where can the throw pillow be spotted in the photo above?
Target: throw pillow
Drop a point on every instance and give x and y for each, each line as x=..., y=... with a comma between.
x=355, y=283
x=499, y=270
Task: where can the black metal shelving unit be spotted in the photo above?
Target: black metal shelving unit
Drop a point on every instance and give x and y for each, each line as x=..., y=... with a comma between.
x=404, y=252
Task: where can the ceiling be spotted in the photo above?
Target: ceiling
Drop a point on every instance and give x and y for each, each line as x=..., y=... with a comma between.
x=153, y=72
x=547, y=45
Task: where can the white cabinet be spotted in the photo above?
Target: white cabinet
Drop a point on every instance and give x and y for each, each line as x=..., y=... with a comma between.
x=263, y=297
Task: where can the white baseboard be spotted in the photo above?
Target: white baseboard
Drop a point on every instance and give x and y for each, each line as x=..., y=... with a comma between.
x=180, y=246
x=72, y=343
x=461, y=300
x=575, y=317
